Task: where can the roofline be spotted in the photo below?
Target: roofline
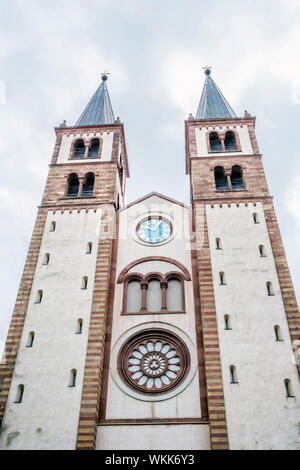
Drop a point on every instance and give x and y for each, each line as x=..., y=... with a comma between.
x=154, y=193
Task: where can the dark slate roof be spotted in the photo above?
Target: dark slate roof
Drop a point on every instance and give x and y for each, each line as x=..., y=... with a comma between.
x=99, y=110
x=212, y=103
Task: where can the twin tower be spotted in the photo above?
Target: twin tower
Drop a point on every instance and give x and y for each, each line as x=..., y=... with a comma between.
x=154, y=325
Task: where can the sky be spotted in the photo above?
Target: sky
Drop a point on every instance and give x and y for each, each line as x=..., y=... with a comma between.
x=52, y=54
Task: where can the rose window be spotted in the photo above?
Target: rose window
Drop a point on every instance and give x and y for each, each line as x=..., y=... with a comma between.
x=153, y=361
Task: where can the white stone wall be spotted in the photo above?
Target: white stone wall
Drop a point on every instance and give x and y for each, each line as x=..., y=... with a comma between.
x=158, y=437
x=106, y=149
x=183, y=402
x=48, y=416
x=259, y=416
x=242, y=130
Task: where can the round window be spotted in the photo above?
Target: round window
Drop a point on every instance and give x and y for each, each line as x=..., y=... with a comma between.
x=153, y=361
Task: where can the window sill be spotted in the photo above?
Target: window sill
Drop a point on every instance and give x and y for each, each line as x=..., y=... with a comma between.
x=165, y=312
x=225, y=151
x=230, y=190
x=76, y=197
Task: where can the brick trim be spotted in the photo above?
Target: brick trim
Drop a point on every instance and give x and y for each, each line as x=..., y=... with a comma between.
x=153, y=258
x=92, y=382
x=20, y=310
x=284, y=276
x=214, y=382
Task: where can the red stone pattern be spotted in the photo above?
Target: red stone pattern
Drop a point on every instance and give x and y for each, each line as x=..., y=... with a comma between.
x=20, y=310
x=92, y=384
x=214, y=383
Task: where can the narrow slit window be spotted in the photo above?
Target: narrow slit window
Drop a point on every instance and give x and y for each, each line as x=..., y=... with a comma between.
x=46, y=258
x=72, y=379
x=39, y=297
x=52, y=226
x=19, y=394
x=262, y=250
x=270, y=290
x=84, y=283
x=233, y=375
x=289, y=388
x=30, y=340
x=227, y=322
x=255, y=218
x=79, y=326
x=89, y=248
x=218, y=244
x=278, y=333
x=222, y=279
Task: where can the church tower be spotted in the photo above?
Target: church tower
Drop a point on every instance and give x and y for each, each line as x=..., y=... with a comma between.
x=53, y=358
x=250, y=317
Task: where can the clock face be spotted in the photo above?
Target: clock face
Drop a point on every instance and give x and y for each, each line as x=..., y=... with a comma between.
x=154, y=230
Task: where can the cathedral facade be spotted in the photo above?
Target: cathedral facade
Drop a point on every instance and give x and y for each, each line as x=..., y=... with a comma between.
x=154, y=325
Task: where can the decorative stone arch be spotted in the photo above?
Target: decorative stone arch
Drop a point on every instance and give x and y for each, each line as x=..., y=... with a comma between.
x=127, y=268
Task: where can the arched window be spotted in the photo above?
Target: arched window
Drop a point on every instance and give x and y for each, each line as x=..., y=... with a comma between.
x=73, y=185
x=84, y=283
x=72, y=378
x=269, y=288
x=154, y=296
x=30, y=340
x=278, y=334
x=79, y=326
x=134, y=296
x=154, y=293
x=88, y=185
x=227, y=322
x=174, y=295
x=230, y=143
x=214, y=142
x=237, y=177
x=222, y=279
x=94, y=148
x=288, y=388
x=79, y=149
x=19, y=394
x=221, y=179
x=39, y=297
x=233, y=375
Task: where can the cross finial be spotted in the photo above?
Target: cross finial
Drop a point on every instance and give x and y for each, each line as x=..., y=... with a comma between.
x=207, y=70
x=104, y=76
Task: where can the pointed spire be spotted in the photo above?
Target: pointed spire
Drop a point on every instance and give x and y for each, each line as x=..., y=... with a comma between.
x=99, y=110
x=212, y=103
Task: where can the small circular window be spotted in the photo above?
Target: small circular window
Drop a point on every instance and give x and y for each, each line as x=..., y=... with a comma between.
x=153, y=361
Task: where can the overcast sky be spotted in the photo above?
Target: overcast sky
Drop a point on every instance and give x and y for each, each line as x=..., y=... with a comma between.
x=52, y=53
